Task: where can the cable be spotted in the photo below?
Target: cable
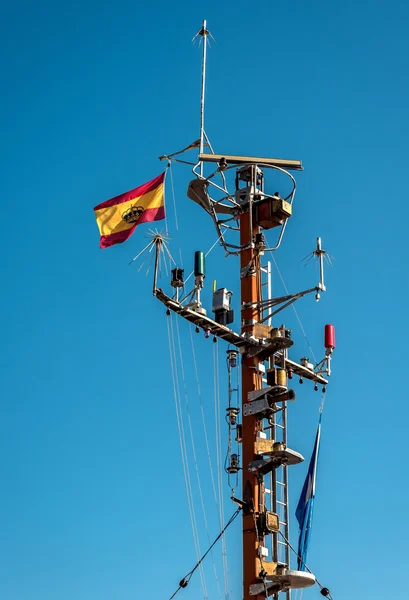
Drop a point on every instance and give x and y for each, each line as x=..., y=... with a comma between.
x=294, y=309
x=203, y=419
x=185, y=580
x=323, y=397
x=192, y=441
x=206, y=255
x=259, y=538
x=218, y=509
x=184, y=453
x=176, y=214
x=322, y=588
x=182, y=442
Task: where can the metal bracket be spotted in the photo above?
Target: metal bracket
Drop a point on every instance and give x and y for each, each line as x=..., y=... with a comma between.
x=275, y=345
x=247, y=271
x=264, y=400
x=260, y=588
x=257, y=407
x=273, y=390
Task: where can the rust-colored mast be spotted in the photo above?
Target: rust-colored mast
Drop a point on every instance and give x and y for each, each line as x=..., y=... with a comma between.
x=253, y=495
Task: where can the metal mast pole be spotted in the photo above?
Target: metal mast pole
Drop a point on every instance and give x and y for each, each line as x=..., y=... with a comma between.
x=204, y=33
x=253, y=492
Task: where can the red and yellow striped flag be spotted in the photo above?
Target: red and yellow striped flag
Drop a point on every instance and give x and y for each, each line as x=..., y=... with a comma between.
x=118, y=217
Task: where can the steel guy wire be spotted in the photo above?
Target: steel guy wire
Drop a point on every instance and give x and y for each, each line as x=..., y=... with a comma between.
x=176, y=213
x=323, y=397
x=185, y=580
x=164, y=195
x=202, y=575
x=184, y=452
x=192, y=441
x=204, y=422
x=206, y=255
x=306, y=568
x=201, y=571
x=261, y=558
x=182, y=441
x=294, y=309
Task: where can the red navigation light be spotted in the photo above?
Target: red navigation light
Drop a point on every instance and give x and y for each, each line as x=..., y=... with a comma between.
x=329, y=337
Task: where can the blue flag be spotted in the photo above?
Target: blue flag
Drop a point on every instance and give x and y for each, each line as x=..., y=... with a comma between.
x=305, y=507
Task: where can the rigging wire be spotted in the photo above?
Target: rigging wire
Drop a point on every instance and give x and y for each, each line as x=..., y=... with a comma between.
x=175, y=211
x=322, y=588
x=218, y=511
x=169, y=167
x=180, y=417
x=294, y=309
x=185, y=580
x=199, y=393
x=206, y=255
x=185, y=462
x=192, y=441
x=215, y=494
x=182, y=442
x=323, y=397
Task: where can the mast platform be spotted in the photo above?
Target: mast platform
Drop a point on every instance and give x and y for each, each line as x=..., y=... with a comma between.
x=203, y=321
x=223, y=332
x=283, y=581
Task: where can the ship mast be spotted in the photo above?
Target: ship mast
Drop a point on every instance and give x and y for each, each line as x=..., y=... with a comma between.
x=252, y=492
x=266, y=366
x=264, y=440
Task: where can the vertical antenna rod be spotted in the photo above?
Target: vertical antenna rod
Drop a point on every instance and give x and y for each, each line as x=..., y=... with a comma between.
x=320, y=253
x=204, y=33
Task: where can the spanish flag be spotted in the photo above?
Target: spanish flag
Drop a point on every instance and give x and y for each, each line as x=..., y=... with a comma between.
x=118, y=217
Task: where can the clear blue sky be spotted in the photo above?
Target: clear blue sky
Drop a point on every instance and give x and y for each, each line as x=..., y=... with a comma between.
x=93, y=505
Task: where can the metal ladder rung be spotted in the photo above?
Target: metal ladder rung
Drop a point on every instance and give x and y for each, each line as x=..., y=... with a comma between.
x=280, y=426
x=280, y=483
x=282, y=543
x=282, y=523
x=282, y=503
